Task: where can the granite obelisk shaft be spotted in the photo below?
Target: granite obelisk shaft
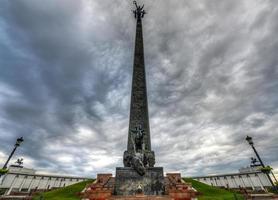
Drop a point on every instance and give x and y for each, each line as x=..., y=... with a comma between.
x=139, y=141
x=139, y=104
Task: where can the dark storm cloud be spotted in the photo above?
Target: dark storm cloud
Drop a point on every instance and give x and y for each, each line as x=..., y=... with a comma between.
x=66, y=72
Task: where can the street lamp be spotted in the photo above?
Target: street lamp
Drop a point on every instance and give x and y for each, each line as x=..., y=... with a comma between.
x=17, y=144
x=250, y=141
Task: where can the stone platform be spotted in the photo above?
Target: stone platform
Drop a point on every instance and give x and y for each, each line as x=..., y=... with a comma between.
x=141, y=197
x=103, y=189
x=128, y=181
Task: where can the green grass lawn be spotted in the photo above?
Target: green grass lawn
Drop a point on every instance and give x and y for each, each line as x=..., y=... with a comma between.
x=66, y=193
x=212, y=193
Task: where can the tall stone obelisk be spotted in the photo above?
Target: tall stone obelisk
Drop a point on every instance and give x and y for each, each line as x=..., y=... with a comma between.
x=139, y=118
x=139, y=173
x=139, y=140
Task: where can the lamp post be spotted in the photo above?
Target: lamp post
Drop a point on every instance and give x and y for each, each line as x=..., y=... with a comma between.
x=251, y=143
x=17, y=144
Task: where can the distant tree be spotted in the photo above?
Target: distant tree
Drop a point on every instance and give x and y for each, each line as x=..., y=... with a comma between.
x=266, y=169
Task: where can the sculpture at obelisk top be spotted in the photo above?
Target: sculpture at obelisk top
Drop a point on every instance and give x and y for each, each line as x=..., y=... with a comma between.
x=139, y=154
x=138, y=12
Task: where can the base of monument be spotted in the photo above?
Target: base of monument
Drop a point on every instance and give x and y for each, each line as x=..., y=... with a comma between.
x=104, y=188
x=141, y=197
x=129, y=182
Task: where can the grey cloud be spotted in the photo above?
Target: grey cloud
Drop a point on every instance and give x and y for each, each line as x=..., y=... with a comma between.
x=211, y=74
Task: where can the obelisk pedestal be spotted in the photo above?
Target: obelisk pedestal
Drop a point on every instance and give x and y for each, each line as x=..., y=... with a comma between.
x=129, y=182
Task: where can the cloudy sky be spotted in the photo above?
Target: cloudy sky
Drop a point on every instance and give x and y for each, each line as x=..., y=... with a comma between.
x=65, y=82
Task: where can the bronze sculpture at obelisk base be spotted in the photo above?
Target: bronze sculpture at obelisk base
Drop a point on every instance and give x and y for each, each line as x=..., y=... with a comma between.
x=139, y=171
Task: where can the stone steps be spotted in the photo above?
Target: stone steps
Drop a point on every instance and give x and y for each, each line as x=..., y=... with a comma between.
x=103, y=189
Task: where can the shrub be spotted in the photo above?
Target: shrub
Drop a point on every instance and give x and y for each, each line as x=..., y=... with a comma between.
x=266, y=169
x=3, y=171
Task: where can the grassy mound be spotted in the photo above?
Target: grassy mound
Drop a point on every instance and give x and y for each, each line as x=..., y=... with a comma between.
x=212, y=193
x=66, y=193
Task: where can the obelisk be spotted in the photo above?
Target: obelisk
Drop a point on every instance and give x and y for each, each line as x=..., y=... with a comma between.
x=139, y=140
x=139, y=173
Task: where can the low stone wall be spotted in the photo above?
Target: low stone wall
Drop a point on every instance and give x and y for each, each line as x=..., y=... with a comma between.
x=249, y=180
x=25, y=182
